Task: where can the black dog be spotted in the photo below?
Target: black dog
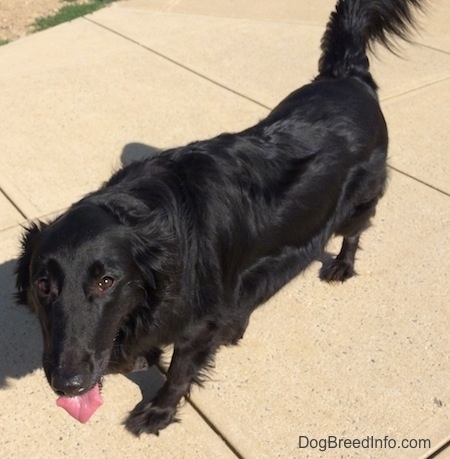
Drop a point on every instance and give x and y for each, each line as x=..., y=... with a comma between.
x=182, y=247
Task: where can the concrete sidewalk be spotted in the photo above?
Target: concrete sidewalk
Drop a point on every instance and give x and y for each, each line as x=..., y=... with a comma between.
x=369, y=358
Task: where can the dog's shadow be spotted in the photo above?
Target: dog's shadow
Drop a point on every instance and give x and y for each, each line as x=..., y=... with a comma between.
x=20, y=339
x=137, y=151
x=149, y=382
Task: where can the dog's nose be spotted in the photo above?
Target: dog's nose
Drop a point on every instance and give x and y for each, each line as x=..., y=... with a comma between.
x=69, y=386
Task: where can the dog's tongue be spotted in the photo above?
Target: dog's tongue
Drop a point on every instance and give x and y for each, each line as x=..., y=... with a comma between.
x=82, y=407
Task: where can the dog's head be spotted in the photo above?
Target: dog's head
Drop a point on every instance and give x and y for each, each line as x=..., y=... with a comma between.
x=83, y=274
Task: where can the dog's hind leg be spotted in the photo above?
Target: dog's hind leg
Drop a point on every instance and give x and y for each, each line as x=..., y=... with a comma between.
x=342, y=267
x=364, y=189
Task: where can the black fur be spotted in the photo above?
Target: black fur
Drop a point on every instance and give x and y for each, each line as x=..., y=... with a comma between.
x=182, y=247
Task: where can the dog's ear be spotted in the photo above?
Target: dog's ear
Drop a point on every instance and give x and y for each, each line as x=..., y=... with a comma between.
x=22, y=271
x=126, y=208
x=152, y=220
x=155, y=250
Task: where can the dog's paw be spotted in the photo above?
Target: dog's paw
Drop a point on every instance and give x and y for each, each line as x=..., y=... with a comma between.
x=337, y=271
x=149, y=419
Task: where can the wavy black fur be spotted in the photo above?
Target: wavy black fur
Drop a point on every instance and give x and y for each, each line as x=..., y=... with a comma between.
x=182, y=247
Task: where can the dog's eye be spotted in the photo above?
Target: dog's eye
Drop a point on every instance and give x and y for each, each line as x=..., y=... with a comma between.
x=105, y=283
x=43, y=286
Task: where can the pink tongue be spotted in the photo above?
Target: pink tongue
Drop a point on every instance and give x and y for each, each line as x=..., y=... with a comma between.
x=82, y=407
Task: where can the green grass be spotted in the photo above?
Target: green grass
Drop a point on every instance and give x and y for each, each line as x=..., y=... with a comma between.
x=68, y=13
x=4, y=42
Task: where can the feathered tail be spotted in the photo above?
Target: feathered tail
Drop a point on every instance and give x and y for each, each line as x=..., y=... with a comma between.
x=355, y=26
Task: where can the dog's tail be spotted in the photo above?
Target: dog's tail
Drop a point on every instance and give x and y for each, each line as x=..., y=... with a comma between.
x=355, y=26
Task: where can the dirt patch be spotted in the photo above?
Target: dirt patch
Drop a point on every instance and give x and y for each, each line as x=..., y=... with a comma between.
x=17, y=16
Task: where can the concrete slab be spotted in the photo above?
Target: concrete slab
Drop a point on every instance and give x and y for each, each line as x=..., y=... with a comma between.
x=366, y=358
x=419, y=134
x=71, y=113
x=9, y=215
x=417, y=67
x=437, y=34
x=264, y=10
x=273, y=58
x=34, y=427
x=442, y=451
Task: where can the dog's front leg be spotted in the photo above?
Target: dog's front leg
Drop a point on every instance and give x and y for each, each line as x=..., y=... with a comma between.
x=191, y=354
